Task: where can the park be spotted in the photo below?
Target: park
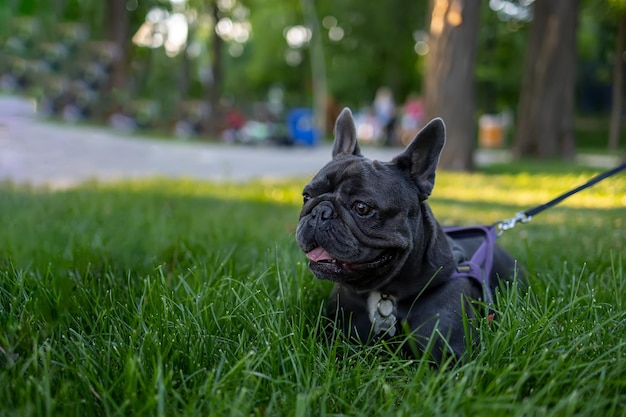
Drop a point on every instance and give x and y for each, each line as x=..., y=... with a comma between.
x=148, y=264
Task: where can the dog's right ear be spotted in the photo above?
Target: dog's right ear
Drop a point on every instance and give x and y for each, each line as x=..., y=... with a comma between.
x=345, y=135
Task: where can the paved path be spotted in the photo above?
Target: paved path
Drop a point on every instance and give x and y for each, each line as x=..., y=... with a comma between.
x=60, y=155
x=42, y=153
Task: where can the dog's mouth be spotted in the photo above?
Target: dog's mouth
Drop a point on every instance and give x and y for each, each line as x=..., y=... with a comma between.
x=319, y=257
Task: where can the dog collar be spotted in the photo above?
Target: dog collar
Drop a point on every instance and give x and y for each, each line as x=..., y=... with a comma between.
x=382, y=313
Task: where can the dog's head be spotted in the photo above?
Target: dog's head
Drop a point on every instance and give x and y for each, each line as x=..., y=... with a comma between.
x=360, y=222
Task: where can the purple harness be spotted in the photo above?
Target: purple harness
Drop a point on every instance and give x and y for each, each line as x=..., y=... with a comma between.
x=478, y=267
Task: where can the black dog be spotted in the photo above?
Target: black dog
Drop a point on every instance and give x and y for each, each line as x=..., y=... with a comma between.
x=366, y=226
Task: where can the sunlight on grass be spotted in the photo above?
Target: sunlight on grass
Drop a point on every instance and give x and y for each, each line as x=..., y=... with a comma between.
x=526, y=190
x=523, y=190
x=270, y=191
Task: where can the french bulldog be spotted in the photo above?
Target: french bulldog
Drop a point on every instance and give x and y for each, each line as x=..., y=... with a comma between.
x=366, y=226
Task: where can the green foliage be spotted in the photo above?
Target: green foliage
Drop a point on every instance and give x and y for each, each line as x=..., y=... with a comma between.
x=374, y=33
x=265, y=63
x=499, y=63
x=618, y=5
x=185, y=298
x=376, y=48
x=88, y=12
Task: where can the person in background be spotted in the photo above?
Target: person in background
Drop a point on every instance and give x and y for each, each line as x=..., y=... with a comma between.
x=412, y=117
x=385, y=109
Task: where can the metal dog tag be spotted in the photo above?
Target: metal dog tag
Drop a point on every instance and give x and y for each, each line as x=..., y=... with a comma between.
x=382, y=309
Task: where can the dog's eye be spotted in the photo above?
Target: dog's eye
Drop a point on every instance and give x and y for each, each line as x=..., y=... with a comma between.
x=305, y=197
x=362, y=209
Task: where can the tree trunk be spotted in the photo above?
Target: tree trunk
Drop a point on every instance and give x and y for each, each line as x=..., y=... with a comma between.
x=545, y=122
x=212, y=123
x=318, y=66
x=118, y=24
x=618, y=86
x=449, y=87
x=184, y=80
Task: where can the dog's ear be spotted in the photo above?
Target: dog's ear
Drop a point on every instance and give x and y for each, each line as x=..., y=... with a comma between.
x=421, y=157
x=345, y=135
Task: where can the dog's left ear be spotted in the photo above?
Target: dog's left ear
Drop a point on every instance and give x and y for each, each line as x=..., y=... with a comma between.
x=345, y=135
x=421, y=157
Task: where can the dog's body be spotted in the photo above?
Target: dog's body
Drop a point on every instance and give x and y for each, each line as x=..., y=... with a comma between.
x=366, y=226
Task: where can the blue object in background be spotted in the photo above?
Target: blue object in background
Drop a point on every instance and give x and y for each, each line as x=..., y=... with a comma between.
x=301, y=127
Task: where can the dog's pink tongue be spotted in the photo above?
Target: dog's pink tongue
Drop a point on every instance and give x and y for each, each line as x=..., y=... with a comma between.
x=319, y=254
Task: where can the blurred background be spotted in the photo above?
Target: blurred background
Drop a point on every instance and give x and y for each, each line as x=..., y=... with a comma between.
x=543, y=78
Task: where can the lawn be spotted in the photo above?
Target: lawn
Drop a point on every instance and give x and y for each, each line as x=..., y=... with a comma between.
x=176, y=298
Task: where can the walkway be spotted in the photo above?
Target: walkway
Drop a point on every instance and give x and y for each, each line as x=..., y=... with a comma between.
x=59, y=155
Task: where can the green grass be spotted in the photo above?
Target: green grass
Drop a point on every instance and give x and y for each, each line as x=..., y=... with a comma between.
x=184, y=298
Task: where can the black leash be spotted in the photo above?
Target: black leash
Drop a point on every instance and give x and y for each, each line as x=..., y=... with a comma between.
x=526, y=216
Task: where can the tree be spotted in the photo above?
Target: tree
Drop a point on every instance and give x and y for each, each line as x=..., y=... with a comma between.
x=214, y=90
x=121, y=21
x=545, y=121
x=119, y=32
x=449, y=79
x=618, y=78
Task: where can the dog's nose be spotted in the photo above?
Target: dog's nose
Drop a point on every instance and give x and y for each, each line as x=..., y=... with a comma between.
x=323, y=211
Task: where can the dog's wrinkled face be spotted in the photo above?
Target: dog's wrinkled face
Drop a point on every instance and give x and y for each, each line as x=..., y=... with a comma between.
x=351, y=233
x=357, y=224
